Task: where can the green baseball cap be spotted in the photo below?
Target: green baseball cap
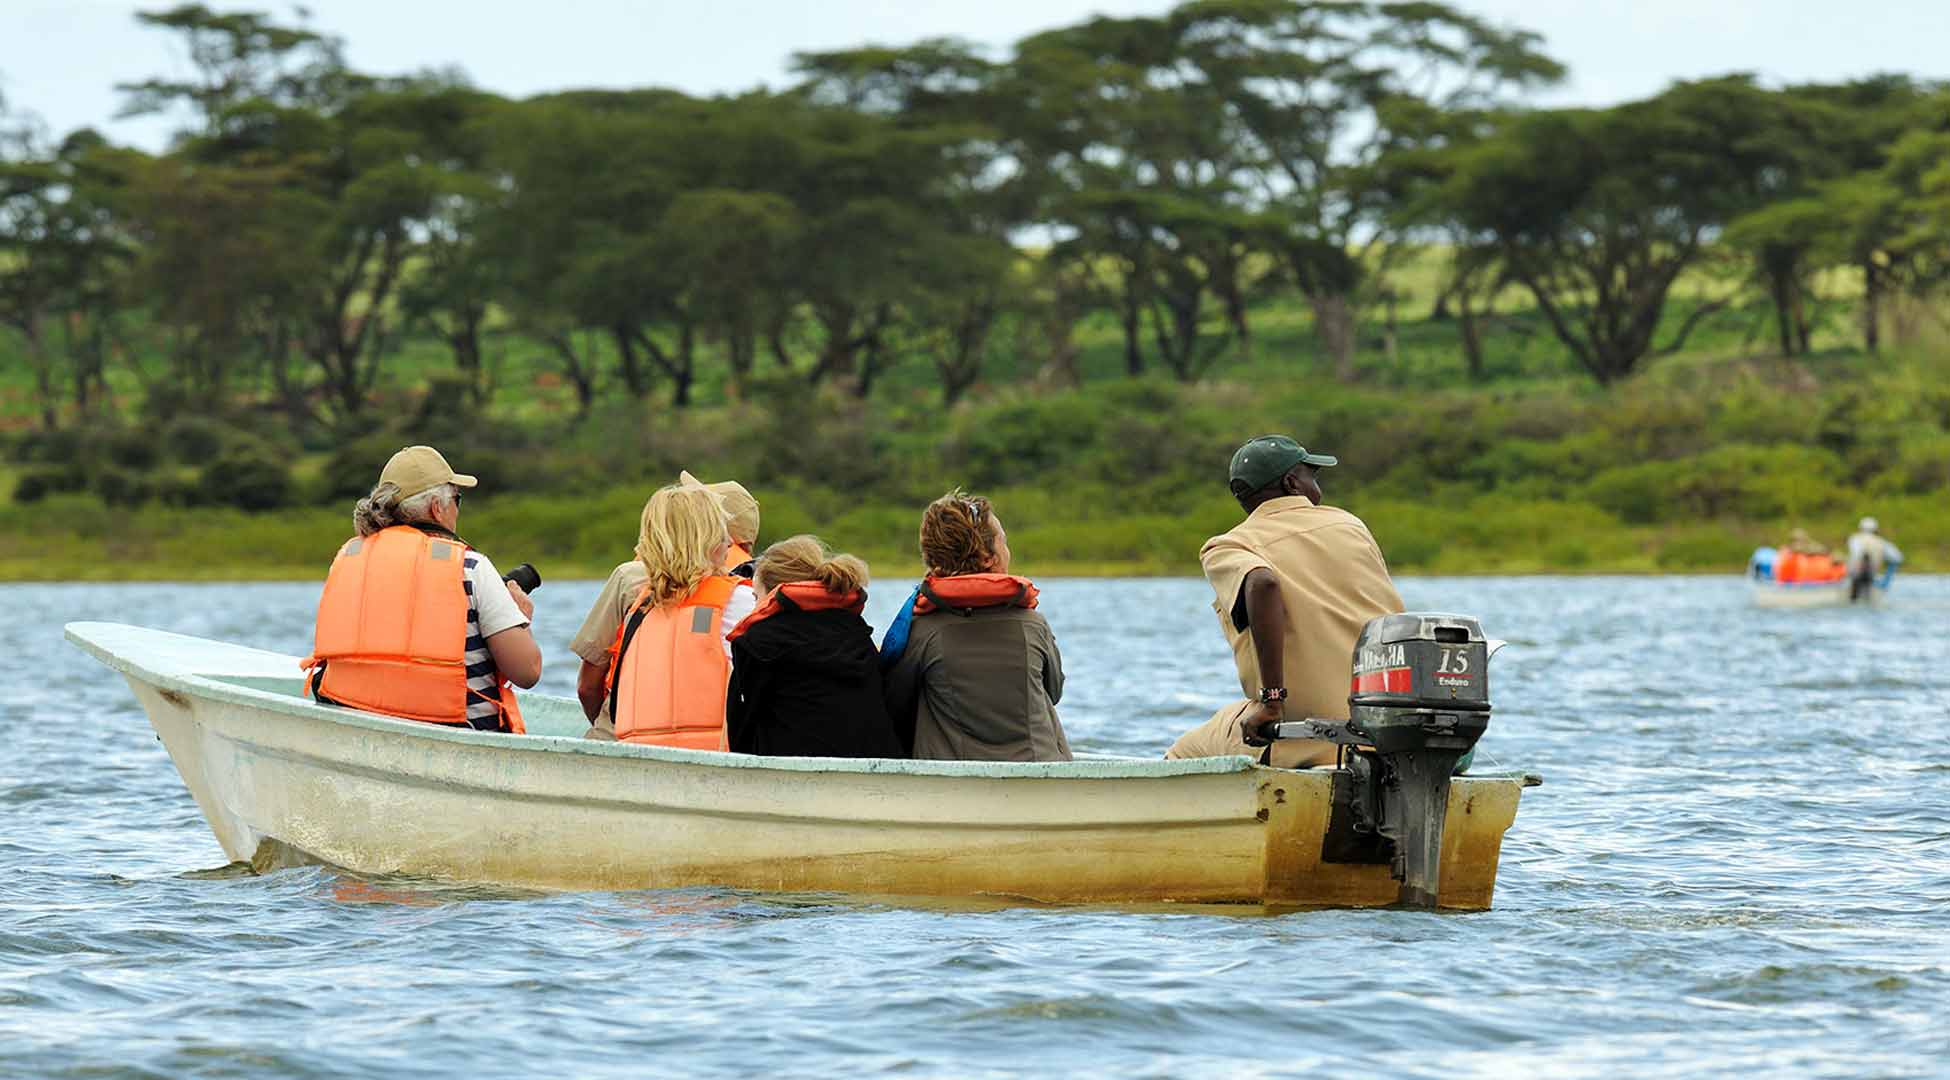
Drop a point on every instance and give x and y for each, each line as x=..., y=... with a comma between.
x=1264, y=460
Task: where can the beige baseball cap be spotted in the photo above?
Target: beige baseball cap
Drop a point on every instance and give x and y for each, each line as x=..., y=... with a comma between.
x=739, y=506
x=420, y=468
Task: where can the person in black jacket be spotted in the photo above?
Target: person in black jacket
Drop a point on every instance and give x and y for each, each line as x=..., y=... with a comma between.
x=805, y=676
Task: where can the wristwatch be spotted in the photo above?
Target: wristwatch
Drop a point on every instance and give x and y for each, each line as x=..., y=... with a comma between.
x=1270, y=694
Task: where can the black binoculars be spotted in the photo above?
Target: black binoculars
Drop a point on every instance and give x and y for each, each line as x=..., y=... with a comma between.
x=525, y=576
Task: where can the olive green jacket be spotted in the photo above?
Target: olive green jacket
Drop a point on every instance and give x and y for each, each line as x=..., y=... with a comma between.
x=979, y=685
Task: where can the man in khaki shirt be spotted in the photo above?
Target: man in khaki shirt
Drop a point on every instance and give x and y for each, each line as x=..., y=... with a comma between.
x=1293, y=586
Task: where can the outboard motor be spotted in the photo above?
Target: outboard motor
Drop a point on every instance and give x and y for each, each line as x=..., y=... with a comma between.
x=1419, y=701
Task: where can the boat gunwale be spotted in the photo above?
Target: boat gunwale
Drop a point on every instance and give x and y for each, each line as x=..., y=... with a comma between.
x=124, y=656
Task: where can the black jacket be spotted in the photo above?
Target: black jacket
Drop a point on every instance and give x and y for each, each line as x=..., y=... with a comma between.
x=807, y=684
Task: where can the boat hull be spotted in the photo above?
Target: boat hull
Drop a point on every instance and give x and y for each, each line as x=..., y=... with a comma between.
x=282, y=780
x=1770, y=594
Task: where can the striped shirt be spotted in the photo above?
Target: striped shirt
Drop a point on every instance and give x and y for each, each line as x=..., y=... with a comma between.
x=490, y=610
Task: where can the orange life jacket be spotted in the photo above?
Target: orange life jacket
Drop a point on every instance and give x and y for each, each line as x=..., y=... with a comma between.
x=800, y=596
x=737, y=557
x=391, y=635
x=668, y=670
x=964, y=592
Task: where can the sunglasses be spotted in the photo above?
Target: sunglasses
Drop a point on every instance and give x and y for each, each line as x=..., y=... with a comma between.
x=976, y=510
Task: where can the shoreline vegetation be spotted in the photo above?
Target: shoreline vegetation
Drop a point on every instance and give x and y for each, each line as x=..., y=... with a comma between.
x=1072, y=275
x=1684, y=470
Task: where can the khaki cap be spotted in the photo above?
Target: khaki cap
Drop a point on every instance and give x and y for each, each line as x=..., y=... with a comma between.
x=737, y=503
x=421, y=468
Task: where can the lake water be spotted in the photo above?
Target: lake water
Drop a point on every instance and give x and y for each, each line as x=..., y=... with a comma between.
x=1739, y=865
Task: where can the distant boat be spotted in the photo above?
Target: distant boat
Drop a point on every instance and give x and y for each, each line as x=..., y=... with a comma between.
x=1830, y=592
x=284, y=781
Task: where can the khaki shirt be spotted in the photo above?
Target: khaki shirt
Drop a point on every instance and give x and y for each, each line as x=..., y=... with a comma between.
x=599, y=628
x=1332, y=579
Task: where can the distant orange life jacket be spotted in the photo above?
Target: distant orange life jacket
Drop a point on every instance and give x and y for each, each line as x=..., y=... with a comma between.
x=737, y=557
x=668, y=670
x=391, y=635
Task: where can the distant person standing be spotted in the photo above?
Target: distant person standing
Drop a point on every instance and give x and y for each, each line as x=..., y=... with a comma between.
x=1869, y=557
x=1293, y=585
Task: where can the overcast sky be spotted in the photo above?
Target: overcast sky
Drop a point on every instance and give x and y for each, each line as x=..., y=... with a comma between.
x=61, y=58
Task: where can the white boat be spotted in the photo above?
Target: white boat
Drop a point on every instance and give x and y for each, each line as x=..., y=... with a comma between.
x=1769, y=593
x=284, y=781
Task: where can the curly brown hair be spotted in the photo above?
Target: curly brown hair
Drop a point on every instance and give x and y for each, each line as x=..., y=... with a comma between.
x=958, y=535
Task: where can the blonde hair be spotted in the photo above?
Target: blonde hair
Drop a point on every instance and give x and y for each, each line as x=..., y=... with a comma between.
x=958, y=535
x=807, y=558
x=384, y=508
x=681, y=528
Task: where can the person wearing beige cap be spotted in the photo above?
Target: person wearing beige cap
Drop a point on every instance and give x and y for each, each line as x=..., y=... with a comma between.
x=741, y=511
x=414, y=622
x=595, y=641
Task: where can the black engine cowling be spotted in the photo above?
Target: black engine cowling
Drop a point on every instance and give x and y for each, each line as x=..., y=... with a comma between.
x=1421, y=683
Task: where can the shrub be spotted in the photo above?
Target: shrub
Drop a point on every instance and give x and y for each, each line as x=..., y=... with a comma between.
x=121, y=487
x=194, y=439
x=131, y=449
x=1636, y=493
x=37, y=484
x=248, y=476
x=1021, y=441
x=354, y=467
x=62, y=446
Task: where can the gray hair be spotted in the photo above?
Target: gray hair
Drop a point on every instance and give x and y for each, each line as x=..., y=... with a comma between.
x=384, y=508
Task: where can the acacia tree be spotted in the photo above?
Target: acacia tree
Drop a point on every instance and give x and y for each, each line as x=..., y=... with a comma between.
x=1316, y=93
x=945, y=102
x=1139, y=170
x=453, y=285
x=339, y=162
x=1595, y=213
x=64, y=256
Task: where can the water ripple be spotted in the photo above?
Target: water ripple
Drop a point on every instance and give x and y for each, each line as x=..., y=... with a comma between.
x=1739, y=865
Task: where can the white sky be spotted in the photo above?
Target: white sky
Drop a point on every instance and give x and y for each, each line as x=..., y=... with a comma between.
x=60, y=59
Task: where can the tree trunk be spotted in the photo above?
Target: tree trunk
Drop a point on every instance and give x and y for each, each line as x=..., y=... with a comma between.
x=685, y=371
x=1781, y=290
x=627, y=363
x=1130, y=316
x=1802, y=331
x=741, y=353
x=1391, y=335
x=1872, y=289
x=580, y=375
x=50, y=400
x=1334, y=328
x=1235, y=305
x=1472, y=335
x=465, y=342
